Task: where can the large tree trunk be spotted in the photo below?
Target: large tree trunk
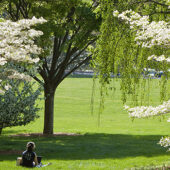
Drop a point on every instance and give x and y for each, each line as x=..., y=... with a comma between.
x=49, y=93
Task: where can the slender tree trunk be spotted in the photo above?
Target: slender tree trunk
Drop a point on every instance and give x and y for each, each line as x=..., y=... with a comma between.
x=49, y=93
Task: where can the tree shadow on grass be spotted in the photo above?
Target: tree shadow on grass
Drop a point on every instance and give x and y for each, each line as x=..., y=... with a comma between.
x=89, y=146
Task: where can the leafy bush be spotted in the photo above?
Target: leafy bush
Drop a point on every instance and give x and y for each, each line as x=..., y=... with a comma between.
x=17, y=105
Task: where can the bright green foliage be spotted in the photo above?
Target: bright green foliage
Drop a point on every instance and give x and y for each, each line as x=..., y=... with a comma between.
x=17, y=105
x=118, y=54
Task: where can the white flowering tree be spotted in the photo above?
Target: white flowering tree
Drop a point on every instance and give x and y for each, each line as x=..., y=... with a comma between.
x=71, y=29
x=17, y=48
x=149, y=34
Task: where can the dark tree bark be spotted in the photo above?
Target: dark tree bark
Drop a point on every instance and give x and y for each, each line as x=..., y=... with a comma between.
x=49, y=93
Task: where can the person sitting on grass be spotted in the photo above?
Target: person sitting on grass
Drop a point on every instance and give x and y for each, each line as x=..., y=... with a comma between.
x=29, y=158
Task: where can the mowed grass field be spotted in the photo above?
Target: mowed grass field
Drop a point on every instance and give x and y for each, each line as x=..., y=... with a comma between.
x=118, y=143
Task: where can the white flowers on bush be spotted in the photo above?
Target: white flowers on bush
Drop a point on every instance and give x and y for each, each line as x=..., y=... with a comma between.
x=148, y=111
x=159, y=58
x=17, y=44
x=165, y=142
x=2, y=61
x=16, y=40
x=19, y=76
x=148, y=34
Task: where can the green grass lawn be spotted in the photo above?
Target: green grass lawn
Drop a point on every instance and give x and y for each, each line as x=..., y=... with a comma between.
x=118, y=143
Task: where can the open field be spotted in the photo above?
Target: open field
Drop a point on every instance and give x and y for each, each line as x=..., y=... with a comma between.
x=118, y=143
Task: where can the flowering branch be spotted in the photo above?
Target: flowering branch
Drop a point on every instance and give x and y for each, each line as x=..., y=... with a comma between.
x=17, y=45
x=16, y=40
x=165, y=142
x=150, y=111
x=147, y=34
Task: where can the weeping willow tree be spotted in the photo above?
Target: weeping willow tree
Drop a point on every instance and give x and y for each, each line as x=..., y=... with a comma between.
x=117, y=54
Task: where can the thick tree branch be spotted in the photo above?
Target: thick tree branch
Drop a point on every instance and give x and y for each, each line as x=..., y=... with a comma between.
x=21, y=8
x=17, y=9
x=55, y=53
x=80, y=52
x=65, y=38
x=33, y=76
x=76, y=67
x=11, y=13
x=24, y=8
x=46, y=65
x=42, y=72
x=61, y=67
x=37, y=79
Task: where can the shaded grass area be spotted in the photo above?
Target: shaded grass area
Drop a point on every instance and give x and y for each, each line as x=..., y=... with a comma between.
x=91, y=151
x=88, y=146
x=118, y=143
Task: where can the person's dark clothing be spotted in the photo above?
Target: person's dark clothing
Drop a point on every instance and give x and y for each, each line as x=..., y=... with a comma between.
x=28, y=158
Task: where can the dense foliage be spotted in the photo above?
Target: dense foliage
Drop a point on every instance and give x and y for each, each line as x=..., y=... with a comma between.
x=17, y=105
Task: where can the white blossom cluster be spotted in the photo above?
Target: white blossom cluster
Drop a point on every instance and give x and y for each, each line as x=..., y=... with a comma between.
x=165, y=142
x=159, y=58
x=150, y=111
x=17, y=45
x=144, y=112
x=17, y=40
x=148, y=34
x=20, y=76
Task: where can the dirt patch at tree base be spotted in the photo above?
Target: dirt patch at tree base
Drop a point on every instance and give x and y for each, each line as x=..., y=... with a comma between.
x=45, y=135
x=10, y=152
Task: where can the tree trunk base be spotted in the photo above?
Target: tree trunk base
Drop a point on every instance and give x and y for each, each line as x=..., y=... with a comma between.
x=49, y=110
